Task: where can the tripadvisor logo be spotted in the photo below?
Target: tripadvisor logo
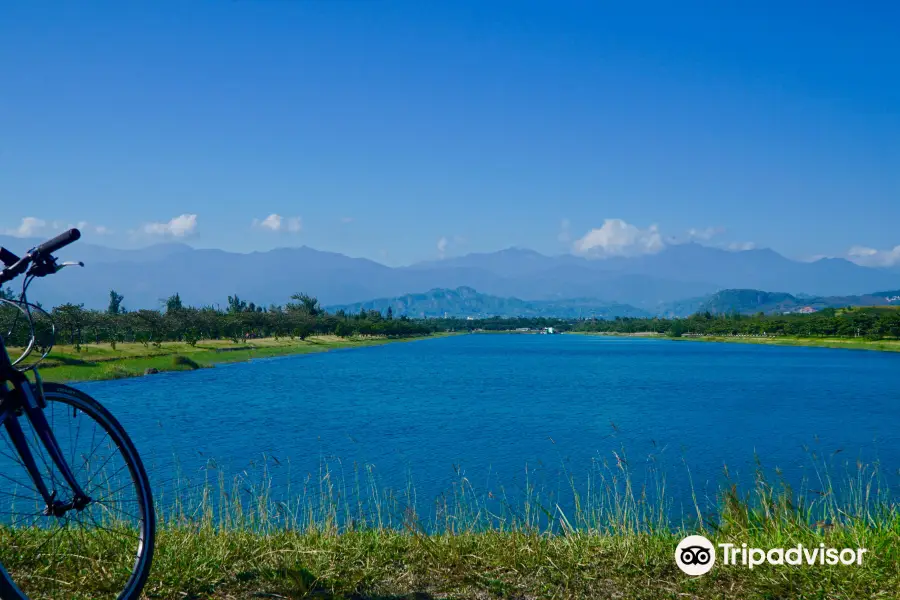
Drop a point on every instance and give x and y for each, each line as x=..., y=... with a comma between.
x=696, y=555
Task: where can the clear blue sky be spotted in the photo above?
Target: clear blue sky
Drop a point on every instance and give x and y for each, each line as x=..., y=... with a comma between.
x=386, y=126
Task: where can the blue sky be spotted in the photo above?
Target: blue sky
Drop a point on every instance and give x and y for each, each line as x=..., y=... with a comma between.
x=402, y=131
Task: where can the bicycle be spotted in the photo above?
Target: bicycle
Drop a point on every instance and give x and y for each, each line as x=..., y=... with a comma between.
x=66, y=516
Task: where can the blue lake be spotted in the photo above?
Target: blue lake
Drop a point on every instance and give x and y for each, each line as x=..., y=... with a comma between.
x=490, y=407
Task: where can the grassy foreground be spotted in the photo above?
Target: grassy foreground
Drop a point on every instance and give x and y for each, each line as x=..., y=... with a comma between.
x=101, y=361
x=220, y=543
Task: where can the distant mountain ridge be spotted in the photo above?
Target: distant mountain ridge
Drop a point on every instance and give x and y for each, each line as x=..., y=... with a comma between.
x=651, y=283
x=755, y=301
x=467, y=302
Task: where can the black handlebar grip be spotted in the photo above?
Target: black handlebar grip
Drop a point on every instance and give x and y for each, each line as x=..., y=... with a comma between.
x=7, y=257
x=60, y=241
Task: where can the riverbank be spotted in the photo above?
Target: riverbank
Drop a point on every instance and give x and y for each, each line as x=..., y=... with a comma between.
x=95, y=362
x=840, y=343
x=616, y=545
x=812, y=342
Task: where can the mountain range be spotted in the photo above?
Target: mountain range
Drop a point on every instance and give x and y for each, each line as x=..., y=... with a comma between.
x=649, y=283
x=756, y=301
x=467, y=302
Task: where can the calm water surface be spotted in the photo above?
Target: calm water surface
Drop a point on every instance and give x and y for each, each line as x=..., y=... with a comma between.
x=488, y=406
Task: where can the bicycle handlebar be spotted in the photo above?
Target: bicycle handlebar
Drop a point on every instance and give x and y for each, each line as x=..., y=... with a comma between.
x=41, y=256
x=60, y=241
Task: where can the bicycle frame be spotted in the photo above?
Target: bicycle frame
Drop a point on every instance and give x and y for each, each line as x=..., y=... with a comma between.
x=25, y=398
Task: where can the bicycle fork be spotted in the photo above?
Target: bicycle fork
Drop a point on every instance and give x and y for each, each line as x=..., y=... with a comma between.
x=33, y=406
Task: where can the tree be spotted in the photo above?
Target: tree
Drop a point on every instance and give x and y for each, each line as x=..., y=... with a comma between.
x=236, y=305
x=71, y=318
x=115, y=303
x=390, y=314
x=7, y=294
x=305, y=304
x=173, y=304
x=676, y=330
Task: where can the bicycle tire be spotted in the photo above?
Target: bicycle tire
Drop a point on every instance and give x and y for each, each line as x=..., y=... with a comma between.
x=13, y=580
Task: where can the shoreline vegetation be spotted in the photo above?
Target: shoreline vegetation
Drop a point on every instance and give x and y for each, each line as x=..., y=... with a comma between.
x=98, y=362
x=882, y=345
x=338, y=534
x=115, y=343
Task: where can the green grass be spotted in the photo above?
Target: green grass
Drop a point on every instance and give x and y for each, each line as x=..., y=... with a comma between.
x=814, y=342
x=886, y=345
x=101, y=361
x=338, y=537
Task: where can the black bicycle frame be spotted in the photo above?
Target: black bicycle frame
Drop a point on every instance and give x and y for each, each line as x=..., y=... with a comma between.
x=28, y=398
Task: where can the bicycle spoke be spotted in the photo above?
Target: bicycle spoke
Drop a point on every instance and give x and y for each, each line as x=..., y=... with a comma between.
x=104, y=464
x=37, y=449
x=10, y=494
x=105, y=435
x=135, y=517
x=119, y=470
x=19, y=483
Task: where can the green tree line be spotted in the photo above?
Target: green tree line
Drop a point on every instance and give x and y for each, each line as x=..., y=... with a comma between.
x=871, y=323
x=303, y=316
x=239, y=320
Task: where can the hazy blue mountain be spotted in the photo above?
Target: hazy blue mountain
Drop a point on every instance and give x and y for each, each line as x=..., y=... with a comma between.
x=510, y=262
x=92, y=253
x=651, y=283
x=467, y=302
x=695, y=264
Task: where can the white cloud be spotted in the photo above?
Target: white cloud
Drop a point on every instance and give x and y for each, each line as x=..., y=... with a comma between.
x=85, y=227
x=33, y=226
x=870, y=257
x=741, y=246
x=272, y=222
x=565, y=234
x=28, y=227
x=618, y=238
x=705, y=234
x=181, y=226
x=276, y=222
x=442, y=246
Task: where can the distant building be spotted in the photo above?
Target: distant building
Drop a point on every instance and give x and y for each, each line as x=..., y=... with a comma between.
x=806, y=310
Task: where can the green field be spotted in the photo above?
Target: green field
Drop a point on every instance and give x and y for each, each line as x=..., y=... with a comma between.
x=93, y=362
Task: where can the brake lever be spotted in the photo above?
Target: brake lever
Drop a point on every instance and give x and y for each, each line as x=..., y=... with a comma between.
x=49, y=266
x=69, y=264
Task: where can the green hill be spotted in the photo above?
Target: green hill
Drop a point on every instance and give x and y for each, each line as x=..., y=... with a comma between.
x=466, y=302
x=755, y=301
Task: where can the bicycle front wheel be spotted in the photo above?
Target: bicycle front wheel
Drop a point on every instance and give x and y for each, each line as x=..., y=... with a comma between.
x=103, y=551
